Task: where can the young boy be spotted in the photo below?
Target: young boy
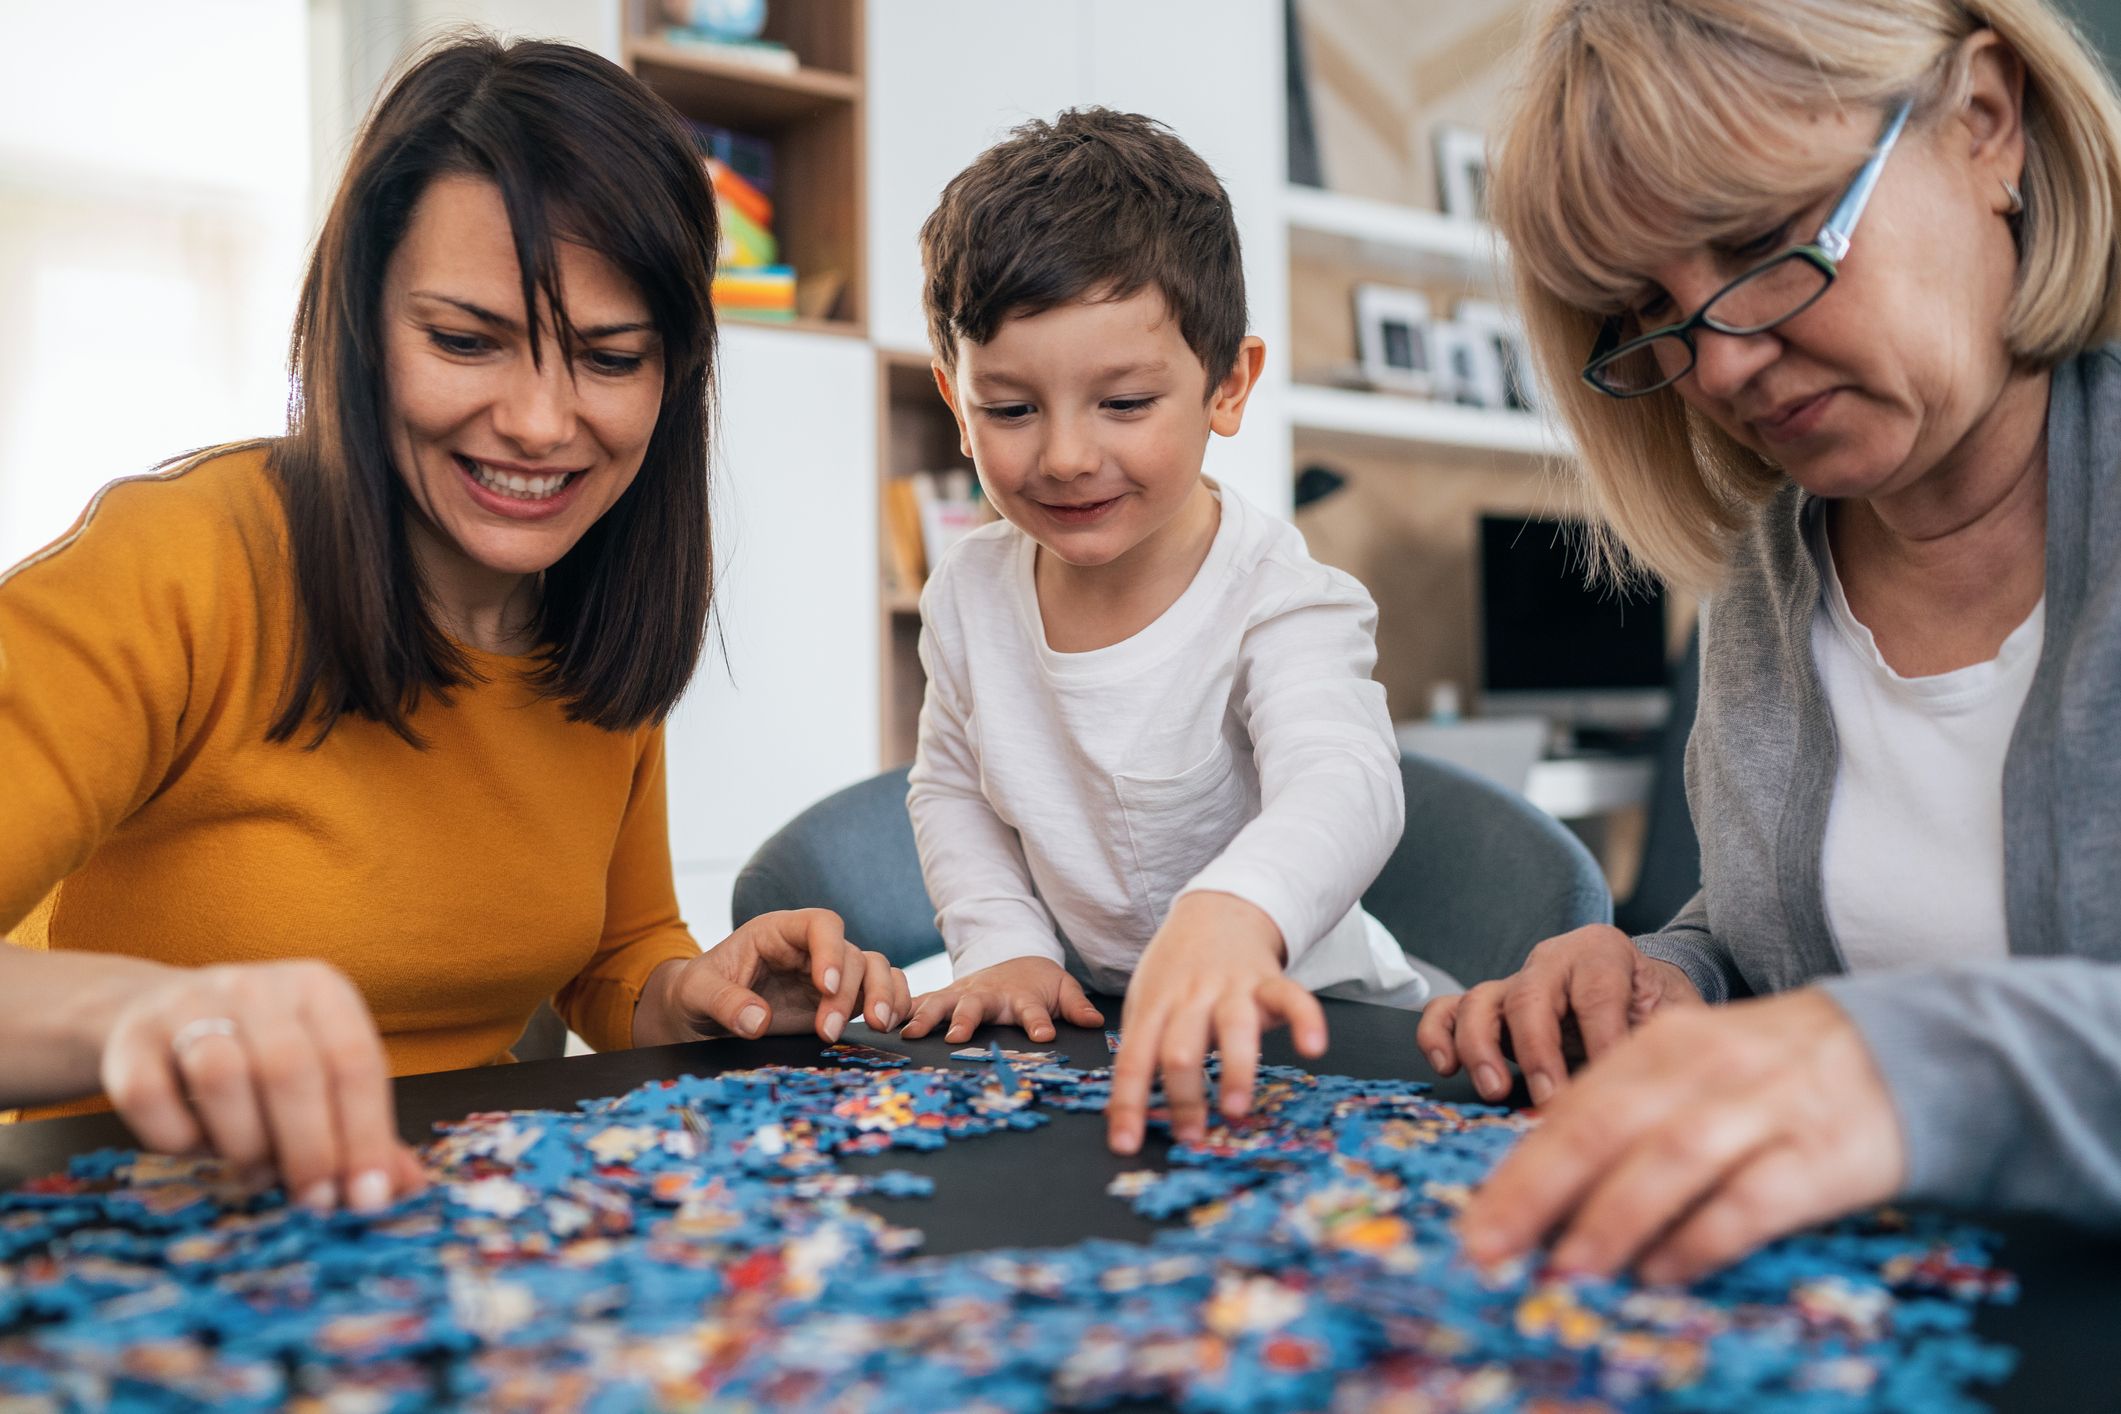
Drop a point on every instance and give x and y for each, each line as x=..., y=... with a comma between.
x=1150, y=746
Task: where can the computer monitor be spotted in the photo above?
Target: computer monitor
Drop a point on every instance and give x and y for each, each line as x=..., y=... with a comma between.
x=1556, y=646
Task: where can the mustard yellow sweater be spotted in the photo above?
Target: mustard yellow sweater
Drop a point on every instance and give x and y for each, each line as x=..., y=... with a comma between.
x=519, y=856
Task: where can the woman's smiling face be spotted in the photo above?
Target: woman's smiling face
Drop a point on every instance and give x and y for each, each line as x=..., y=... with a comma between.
x=509, y=460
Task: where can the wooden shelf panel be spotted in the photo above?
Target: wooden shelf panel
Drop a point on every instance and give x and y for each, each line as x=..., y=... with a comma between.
x=1328, y=228
x=841, y=328
x=1392, y=418
x=738, y=95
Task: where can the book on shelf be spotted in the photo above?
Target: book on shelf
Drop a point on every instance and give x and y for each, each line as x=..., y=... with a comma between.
x=951, y=508
x=731, y=190
x=818, y=292
x=746, y=245
x=767, y=54
x=926, y=513
x=744, y=154
x=761, y=292
x=908, y=567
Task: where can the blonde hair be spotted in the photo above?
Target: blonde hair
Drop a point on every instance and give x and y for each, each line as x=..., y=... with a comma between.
x=1644, y=128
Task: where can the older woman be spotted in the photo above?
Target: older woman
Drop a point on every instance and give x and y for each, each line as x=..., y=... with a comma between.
x=1820, y=287
x=386, y=694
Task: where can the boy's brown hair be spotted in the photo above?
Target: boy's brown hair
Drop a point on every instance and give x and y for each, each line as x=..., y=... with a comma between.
x=1093, y=203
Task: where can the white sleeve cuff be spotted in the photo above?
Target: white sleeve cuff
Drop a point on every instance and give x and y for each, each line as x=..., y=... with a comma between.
x=992, y=948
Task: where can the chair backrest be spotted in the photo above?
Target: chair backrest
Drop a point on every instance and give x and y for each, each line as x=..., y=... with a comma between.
x=1481, y=875
x=853, y=853
x=1671, y=854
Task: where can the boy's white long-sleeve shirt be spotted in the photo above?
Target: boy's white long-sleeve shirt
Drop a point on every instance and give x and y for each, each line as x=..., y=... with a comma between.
x=1235, y=745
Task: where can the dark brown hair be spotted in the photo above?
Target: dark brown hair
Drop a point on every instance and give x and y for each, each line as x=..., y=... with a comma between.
x=580, y=151
x=1093, y=203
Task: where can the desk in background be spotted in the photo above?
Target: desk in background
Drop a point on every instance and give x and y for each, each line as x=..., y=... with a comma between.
x=1603, y=798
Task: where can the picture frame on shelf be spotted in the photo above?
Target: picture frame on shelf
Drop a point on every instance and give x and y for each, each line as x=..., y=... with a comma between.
x=1468, y=365
x=1505, y=331
x=1392, y=337
x=1462, y=171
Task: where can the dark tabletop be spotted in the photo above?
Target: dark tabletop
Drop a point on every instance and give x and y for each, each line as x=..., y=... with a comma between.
x=1046, y=1186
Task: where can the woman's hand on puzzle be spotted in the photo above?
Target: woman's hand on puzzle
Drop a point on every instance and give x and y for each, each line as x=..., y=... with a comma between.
x=270, y=1064
x=781, y=974
x=1024, y=991
x=1576, y=997
x=1211, y=979
x=1696, y=1139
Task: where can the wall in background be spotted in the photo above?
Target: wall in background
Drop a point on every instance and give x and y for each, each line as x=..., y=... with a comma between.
x=2101, y=22
x=152, y=224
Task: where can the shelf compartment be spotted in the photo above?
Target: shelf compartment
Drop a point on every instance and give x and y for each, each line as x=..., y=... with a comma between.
x=839, y=328
x=1328, y=228
x=1392, y=418
x=739, y=95
x=813, y=118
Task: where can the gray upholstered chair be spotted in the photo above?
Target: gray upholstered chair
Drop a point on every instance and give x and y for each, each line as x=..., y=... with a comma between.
x=1671, y=855
x=853, y=853
x=1479, y=877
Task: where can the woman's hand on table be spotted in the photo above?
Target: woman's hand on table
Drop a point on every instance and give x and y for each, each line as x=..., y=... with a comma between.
x=265, y=1064
x=1697, y=1139
x=1592, y=982
x=1211, y=979
x=780, y=974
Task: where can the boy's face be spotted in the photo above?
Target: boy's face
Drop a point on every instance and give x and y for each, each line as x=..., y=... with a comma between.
x=1088, y=422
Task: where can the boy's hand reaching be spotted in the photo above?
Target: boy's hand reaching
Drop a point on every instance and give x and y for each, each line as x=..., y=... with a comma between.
x=1211, y=980
x=1025, y=991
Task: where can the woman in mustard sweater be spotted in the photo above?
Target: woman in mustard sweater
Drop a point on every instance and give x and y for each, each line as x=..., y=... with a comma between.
x=387, y=693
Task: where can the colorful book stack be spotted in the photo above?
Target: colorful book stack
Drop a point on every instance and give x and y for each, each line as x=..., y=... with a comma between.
x=749, y=280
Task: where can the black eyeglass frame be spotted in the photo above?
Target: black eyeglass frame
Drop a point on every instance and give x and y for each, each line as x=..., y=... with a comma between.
x=1824, y=252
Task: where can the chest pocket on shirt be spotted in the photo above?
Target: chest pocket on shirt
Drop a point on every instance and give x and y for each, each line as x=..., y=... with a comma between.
x=1177, y=824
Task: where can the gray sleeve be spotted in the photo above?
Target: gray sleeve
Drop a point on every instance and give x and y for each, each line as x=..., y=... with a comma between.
x=2006, y=1077
x=1687, y=944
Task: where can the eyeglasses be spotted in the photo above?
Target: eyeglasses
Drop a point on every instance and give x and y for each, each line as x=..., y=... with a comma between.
x=1779, y=288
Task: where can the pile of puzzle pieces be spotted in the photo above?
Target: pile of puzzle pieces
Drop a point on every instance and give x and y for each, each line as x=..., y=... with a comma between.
x=694, y=1244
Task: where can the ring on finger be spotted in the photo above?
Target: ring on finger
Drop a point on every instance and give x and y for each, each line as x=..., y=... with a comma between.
x=192, y=1032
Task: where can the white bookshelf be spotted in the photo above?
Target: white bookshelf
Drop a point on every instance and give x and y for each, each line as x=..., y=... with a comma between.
x=1392, y=417
x=1351, y=231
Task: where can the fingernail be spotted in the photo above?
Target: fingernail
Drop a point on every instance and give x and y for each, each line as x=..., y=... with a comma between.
x=1489, y=1080
x=369, y=1192
x=883, y=1018
x=834, y=1024
x=832, y=979
x=321, y=1196
x=750, y=1019
x=1541, y=1087
x=1436, y=1059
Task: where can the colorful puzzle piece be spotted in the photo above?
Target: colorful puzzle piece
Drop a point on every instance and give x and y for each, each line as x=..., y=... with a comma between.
x=693, y=1243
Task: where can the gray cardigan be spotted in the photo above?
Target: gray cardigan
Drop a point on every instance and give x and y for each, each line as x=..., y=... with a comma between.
x=2006, y=1076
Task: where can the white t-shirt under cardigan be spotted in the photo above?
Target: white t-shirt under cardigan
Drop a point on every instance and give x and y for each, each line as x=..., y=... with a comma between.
x=1912, y=866
x=1062, y=801
x=2006, y=1076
